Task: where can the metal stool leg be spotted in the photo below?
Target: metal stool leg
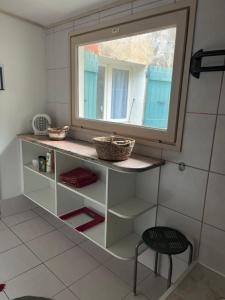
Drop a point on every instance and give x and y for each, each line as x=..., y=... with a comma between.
x=135, y=266
x=170, y=271
x=156, y=263
x=191, y=253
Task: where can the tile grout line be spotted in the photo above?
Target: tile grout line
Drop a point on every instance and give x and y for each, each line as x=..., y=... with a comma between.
x=38, y=265
x=38, y=260
x=210, y=162
x=43, y=263
x=3, y=221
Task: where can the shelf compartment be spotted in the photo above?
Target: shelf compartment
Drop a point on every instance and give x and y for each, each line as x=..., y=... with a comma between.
x=125, y=248
x=44, y=197
x=50, y=176
x=132, y=208
x=94, y=192
x=124, y=234
x=96, y=234
x=68, y=201
x=40, y=189
x=93, y=218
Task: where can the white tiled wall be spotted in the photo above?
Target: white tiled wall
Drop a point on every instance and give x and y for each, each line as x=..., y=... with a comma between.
x=192, y=200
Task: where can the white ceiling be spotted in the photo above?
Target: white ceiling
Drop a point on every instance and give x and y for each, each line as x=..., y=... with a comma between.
x=46, y=12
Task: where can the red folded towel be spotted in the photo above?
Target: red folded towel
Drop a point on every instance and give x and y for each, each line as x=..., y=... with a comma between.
x=78, y=177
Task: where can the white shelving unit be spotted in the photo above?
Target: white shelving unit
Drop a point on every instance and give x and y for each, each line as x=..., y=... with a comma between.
x=50, y=176
x=126, y=198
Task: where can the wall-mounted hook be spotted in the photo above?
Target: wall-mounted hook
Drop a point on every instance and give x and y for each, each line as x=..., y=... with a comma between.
x=1, y=79
x=182, y=166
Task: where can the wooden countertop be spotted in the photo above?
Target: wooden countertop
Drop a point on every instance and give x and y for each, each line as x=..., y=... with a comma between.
x=85, y=150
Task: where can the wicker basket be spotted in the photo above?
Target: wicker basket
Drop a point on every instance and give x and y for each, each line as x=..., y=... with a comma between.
x=113, y=148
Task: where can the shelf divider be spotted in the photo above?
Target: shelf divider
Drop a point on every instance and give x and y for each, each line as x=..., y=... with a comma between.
x=95, y=192
x=50, y=176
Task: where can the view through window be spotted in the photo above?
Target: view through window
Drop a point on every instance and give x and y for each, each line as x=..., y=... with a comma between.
x=128, y=80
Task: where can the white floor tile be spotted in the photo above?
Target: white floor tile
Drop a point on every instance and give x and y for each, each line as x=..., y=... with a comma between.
x=125, y=270
x=65, y=295
x=40, y=211
x=139, y=296
x=31, y=229
x=16, y=205
x=8, y=240
x=100, y=284
x=50, y=245
x=153, y=287
x=57, y=223
x=72, y=265
x=73, y=235
x=16, y=261
x=3, y=296
x=98, y=253
x=36, y=282
x=2, y=226
x=19, y=218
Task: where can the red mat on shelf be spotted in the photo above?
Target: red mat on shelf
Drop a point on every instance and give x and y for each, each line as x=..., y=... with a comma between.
x=78, y=177
x=97, y=219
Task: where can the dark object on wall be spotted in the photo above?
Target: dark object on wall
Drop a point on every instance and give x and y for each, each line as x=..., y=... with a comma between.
x=196, y=62
x=1, y=79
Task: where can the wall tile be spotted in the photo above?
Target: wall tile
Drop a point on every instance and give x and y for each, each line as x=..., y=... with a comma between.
x=222, y=98
x=215, y=202
x=61, y=48
x=212, y=248
x=179, y=266
x=62, y=88
x=210, y=20
x=62, y=114
x=50, y=50
x=218, y=157
x=116, y=16
x=51, y=110
x=148, y=4
x=203, y=94
x=115, y=10
x=51, y=84
x=87, y=21
x=197, y=141
x=186, y=225
x=183, y=191
x=65, y=26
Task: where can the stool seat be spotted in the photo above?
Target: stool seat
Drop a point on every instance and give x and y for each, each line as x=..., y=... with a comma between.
x=165, y=240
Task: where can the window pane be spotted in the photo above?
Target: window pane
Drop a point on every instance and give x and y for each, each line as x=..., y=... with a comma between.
x=119, y=94
x=100, y=92
x=128, y=80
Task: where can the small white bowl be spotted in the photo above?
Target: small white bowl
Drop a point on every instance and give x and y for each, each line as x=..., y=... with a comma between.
x=58, y=134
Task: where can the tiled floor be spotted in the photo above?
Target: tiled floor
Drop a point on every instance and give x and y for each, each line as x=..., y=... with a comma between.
x=40, y=256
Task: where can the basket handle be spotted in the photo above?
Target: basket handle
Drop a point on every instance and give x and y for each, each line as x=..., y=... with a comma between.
x=122, y=143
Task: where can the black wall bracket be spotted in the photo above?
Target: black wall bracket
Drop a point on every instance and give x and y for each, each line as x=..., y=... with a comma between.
x=196, y=62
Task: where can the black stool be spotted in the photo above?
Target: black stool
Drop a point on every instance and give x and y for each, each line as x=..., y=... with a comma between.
x=163, y=240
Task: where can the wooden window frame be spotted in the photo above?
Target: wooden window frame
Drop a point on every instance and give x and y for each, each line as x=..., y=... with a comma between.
x=169, y=15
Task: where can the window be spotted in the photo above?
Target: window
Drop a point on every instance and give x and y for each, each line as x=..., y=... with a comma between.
x=127, y=79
